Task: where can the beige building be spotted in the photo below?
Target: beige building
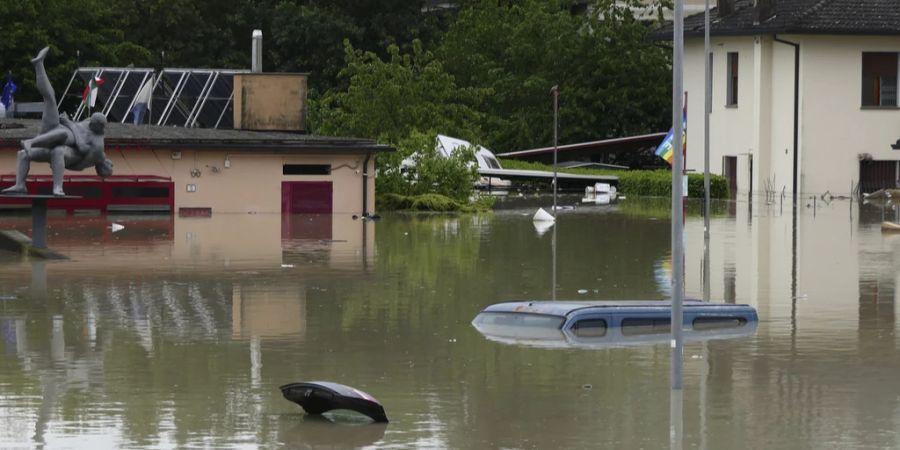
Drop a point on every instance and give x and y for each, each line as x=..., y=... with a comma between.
x=201, y=171
x=804, y=94
x=238, y=145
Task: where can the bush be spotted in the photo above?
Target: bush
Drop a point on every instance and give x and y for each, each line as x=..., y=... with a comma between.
x=392, y=202
x=644, y=183
x=452, y=177
x=432, y=202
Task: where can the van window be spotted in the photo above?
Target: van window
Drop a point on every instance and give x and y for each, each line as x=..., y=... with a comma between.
x=648, y=325
x=718, y=323
x=519, y=320
x=589, y=328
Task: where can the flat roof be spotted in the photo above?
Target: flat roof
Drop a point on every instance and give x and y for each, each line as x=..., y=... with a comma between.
x=647, y=139
x=532, y=174
x=12, y=131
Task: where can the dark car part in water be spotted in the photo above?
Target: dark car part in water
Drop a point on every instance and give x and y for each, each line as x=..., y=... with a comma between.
x=317, y=397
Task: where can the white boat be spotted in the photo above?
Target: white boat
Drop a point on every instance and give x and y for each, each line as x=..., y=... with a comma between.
x=600, y=194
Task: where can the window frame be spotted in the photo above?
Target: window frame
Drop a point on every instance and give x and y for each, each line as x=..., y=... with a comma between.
x=732, y=79
x=877, y=104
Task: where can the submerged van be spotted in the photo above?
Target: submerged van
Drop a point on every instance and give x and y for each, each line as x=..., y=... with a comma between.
x=600, y=324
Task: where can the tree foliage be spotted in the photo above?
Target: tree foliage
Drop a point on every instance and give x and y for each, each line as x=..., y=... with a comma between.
x=388, y=100
x=300, y=35
x=613, y=80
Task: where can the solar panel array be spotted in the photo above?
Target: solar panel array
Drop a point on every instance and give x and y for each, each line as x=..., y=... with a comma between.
x=201, y=98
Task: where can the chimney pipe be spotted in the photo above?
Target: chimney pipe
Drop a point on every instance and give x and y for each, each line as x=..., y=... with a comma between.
x=256, y=64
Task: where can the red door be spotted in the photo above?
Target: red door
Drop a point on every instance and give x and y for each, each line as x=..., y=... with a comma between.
x=306, y=197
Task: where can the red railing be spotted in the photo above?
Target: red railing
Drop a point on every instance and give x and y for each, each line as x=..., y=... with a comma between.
x=122, y=192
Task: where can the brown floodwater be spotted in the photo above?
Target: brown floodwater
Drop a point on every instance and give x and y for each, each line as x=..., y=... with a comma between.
x=176, y=332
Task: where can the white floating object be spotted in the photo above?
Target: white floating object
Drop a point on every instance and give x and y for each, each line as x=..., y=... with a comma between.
x=582, y=291
x=542, y=227
x=543, y=216
x=287, y=266
x=117, y=227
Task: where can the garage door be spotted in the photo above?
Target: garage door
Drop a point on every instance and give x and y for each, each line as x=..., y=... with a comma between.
x=306, y=197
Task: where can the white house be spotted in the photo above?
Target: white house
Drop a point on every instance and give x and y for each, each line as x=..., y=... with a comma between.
x=804, y=94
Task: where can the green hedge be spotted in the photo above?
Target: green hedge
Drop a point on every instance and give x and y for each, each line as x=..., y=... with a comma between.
x=430, y=202
x=643, y=183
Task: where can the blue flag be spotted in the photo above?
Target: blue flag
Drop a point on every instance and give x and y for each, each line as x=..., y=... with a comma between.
x=8, y=90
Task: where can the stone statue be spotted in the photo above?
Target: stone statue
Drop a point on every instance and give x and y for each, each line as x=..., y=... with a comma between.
x=62, y=143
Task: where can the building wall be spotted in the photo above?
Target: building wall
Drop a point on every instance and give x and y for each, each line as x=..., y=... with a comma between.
x=781, y=120
x=252, y=183
x=732, y=133
x=270, y=101
x=833, y=127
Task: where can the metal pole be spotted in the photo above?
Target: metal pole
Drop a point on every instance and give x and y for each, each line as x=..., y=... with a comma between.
x=707, y=111
x=39, y=223
x=553, y=249
x=677, y=212
x=555, y=91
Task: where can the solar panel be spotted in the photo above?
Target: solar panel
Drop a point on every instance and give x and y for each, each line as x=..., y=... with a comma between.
x=201, y=98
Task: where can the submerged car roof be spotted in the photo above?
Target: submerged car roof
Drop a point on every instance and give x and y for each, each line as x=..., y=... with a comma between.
x=563, y=308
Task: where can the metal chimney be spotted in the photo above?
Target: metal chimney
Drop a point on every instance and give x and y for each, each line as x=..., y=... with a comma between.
x=256, y=64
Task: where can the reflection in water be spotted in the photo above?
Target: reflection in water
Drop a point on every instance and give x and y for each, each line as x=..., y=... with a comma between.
x=317, y=432
x=179, y=334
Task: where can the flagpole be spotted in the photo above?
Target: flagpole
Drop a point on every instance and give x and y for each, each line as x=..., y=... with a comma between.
x=677, y=212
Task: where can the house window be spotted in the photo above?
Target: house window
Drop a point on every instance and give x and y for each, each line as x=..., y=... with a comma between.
x=306, y=169
x=879, y=79
x=732, y=71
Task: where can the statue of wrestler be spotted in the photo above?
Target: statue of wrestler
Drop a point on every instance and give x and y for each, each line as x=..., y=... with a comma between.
x=62, y=143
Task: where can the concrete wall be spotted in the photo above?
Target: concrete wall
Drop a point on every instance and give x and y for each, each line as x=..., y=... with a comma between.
x=252, y=183
x=270, y=101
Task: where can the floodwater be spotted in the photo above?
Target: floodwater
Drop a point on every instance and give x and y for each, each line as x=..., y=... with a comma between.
x=176, y=332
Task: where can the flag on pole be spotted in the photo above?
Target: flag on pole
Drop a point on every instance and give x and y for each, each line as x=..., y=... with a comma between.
x=90, y=91
x=8, y=90
x=666, y=150
x=142, y=102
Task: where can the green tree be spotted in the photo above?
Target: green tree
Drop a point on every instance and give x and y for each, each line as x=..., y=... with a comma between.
x=388, y=100
x=424, y=171
x=83, y=33
x=613, y=80
x=404, y=101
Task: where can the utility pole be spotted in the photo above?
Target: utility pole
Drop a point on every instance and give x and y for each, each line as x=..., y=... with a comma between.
x=555, y=91
x=707, y=110
x=677, y=212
